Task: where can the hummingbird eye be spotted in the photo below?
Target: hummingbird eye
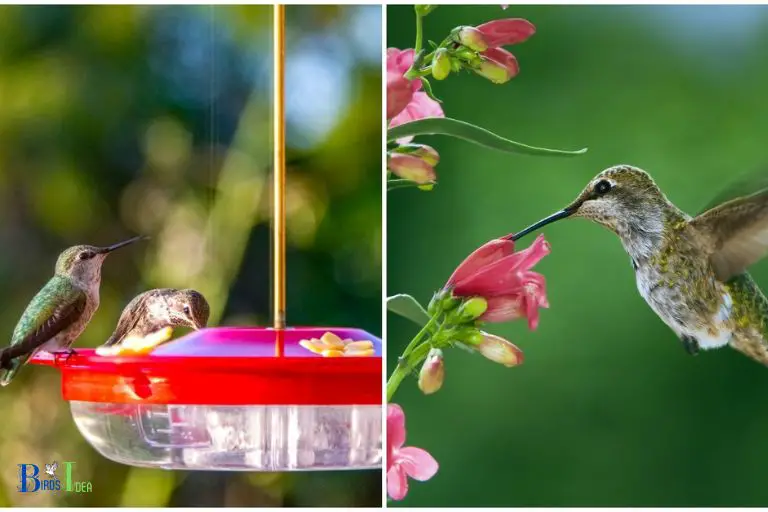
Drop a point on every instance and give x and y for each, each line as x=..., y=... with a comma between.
x=85, y=255
x=187, y=311
x=602, y=187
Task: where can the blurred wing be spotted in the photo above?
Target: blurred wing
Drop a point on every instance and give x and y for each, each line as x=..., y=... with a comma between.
x=132, y=314
x=737, y=233
x=58, y=305
x=744, y=186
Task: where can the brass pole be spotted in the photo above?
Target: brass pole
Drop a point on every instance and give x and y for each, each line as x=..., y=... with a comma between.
x=278, y=191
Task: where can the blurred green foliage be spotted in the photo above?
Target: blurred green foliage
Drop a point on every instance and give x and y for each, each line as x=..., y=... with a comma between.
x=157, y=120
x=608, y=409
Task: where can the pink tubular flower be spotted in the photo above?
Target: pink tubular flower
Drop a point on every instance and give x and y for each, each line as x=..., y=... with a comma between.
x=504, y=279
x=498, y=65
x=498, y=33
x=399, y=89
x=404, y=461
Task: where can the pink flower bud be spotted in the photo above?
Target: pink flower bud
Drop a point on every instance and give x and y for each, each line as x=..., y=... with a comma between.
x=508, y=31
x=432, y=372
x=470, y=37
x=441, y=64
x=426, y=153
x=498, y=65
x=499, y=350
x=411, y=168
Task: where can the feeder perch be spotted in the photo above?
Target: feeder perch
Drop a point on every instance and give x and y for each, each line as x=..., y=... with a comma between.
x=234, y=399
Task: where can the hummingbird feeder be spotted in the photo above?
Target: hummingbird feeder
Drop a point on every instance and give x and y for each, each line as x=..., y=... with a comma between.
x=233, y=398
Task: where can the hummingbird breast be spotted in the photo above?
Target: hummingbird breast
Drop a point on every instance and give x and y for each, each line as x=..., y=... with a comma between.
x=679, y=284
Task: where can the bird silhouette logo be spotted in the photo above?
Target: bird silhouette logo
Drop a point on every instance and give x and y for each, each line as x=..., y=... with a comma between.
x=50, y=469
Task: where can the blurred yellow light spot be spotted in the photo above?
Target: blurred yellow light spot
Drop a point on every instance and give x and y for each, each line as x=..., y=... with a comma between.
x=167, y=145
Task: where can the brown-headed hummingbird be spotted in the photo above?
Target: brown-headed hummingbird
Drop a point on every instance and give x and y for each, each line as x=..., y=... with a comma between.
x=690, y=270
x=149, y=318
x=61, y=310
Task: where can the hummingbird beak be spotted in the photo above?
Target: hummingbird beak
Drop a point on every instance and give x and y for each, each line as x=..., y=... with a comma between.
x=109, y=249
x=562, y=214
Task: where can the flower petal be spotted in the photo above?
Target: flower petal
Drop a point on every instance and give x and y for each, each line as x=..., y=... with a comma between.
x=506, y=31
x=418, y=463
x=397, y=482
x=503, y=309
x=485, y=255
x=504, y=59
x=420, y=107
x=395, y=426
x=399, y=60
x=399, y=93
x=504, y=276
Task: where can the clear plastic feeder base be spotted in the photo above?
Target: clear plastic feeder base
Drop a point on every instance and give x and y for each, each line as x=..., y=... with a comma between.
x=246, y=438
x=230, y=399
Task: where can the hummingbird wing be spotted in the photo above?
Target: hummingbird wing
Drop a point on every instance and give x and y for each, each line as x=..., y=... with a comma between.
x=736, y=232
x=130, y=318
x=57, y=306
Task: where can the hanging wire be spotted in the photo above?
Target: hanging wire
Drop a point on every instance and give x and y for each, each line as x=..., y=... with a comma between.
x=278, y=191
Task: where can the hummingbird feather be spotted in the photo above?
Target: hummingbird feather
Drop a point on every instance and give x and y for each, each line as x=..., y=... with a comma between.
x=56, y=306
x=134, y=312
x=736, y=233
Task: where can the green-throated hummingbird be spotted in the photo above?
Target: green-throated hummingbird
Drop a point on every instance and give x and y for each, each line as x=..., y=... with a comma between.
x=59, y=313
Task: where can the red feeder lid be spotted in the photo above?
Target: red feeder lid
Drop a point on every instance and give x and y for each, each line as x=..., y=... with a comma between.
x=226, y=366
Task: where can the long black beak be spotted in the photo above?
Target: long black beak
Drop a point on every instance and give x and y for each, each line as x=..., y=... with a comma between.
x=107, y=250
x=567, y=212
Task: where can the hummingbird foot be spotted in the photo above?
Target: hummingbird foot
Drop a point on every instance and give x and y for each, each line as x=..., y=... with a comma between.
x=690, y=344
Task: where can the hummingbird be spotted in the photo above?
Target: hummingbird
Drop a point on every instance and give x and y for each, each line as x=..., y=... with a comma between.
x=149, y=317
x=61, y=310
x=690, y=270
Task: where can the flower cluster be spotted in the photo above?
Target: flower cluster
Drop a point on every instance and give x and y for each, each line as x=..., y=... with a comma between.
x=409, y=94
x=493, y=284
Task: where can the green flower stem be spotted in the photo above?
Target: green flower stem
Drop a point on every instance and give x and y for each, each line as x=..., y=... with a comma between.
x=419, y=33
x=413, y=355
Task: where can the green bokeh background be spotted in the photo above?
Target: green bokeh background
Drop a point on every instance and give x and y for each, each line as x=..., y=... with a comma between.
x=117, y=120
x=608, y=409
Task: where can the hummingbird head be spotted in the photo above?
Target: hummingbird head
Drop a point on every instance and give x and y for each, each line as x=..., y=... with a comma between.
x=624, y=199
x=83, y=262
x=188, y=308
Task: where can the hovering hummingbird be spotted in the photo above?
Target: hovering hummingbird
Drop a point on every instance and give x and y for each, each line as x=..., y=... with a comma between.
x=59, y=312
x=690, y=270
x=148, y=319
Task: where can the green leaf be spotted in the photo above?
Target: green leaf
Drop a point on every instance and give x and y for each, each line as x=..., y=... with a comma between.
x=408, y=307
x=428, y=89
x=471, y=133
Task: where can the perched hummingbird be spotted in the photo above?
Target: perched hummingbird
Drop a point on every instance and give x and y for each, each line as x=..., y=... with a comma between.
x=690, y=270
x=59, y=312
x=151, y=315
